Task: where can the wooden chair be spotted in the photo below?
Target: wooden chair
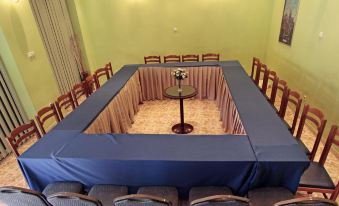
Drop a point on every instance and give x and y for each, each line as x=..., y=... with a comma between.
x=152, y=59
x=210, y=57
x=79, y=91
x=20, y=134
x=261, y=71
x=64, y=102
x=255, y=65
x=269, y=77
x=294, y=98
x=316, y=178
x=278, y=86
x=90, y=84
x=45, y=114
x=190, y=58
x=316, y=117
x=99, y=73
x=15, y=196
x=307, y=201
x=109, y=68
x=172, y=58
x=221, y=199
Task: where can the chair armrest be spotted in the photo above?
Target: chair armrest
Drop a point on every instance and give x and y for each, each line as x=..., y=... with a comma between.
x=305, y=199
x=142, y=197
x=219, y=198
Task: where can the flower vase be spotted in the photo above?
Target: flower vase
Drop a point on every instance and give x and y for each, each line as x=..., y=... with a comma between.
x=179, y=85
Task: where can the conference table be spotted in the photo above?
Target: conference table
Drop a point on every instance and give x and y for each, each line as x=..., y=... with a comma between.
x=266, y=155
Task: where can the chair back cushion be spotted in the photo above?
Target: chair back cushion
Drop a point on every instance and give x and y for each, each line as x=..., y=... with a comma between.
x=12, y=196
x=72, y=199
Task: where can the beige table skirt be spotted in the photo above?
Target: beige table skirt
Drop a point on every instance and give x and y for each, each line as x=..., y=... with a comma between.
x=148, y=83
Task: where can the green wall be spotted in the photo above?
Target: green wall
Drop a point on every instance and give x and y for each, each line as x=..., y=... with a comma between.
x=123, y=31
x=310, y=65
x=21, y=35
x=14, y=74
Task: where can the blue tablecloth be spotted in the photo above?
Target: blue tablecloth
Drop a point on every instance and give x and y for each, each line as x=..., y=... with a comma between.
x=267, y=156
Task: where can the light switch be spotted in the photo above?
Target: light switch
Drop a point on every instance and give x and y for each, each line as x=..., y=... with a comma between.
x=31, y=54
x=321, y=35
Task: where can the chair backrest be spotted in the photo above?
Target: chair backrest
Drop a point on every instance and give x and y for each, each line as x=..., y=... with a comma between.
x=307, y=201
x=221, y=200
x=141, y=200
x=72, y=199
x=255, y=65
x=20, y=134
x=99, y=73
x=278, y=85
x=79, y=90
x=190, y=58
x=210, y=57
x=331, y=139
x=45, y=114
x=172, y=58
x=152, y=59
x=292, y=97
x=90, y=84
x=64, y=102
x=270, y=76
x=261, y=70
x=316, y=117
x=109, y=68
x=16, y=196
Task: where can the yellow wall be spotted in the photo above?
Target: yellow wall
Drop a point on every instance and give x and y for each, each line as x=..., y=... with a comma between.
x=21, y=34
x=123, y=31
x=310, y=65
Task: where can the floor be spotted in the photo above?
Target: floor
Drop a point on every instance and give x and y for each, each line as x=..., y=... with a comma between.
x=203, y=115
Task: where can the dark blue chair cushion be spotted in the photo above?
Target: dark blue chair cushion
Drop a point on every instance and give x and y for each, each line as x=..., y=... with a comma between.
x=107, y=193
x=201, y=192
x=316, y=176
x=56, y=187
x=168, y=193
x=268, y=196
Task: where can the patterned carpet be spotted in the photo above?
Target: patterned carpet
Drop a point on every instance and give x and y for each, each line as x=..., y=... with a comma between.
x=158, y=117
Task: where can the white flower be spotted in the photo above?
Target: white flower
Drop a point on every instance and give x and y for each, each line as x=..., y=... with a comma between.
x=179, y=73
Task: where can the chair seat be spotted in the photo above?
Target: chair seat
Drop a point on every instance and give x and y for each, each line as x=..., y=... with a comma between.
x=268, y=196
x=169, y=193
x=303, y=147
x=287, y=125
x=107, y=193
x=316, y=176
x=74, y=187
x=201, y=192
